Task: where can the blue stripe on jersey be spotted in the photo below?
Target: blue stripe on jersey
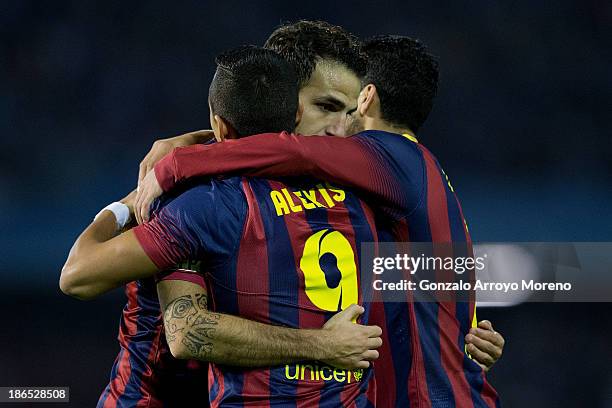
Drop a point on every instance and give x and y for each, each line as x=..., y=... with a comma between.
x=213, y=388
x=226, y=301
x=330, y=398
x=438, y=384
x=363, y=233
x=113, y=375
x=362, y=399
x=397, y=320
x=103, y=397
x=139, y=351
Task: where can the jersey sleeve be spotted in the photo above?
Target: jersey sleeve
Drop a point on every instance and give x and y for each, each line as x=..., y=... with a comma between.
x=183, y=275
x=387, y=168
x=193, y=225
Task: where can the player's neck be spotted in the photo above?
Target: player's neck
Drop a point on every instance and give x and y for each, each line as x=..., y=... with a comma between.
x=380, y=124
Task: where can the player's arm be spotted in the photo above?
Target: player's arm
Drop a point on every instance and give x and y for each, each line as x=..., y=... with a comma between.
x=162, y=147
x=194, y=332
x=101, y=260
x=353, y=162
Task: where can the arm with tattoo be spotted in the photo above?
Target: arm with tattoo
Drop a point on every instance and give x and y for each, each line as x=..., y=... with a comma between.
x=188, y=320
x=194, y=332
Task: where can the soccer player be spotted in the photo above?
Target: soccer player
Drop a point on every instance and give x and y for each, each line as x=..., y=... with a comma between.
x=228, y=220
x=329, y=67
x=423, y=363
x=326, y=101
x=328, y=72
x=144, y=372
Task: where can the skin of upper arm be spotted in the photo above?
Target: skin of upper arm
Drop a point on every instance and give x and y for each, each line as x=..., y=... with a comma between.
x=189, y=327
x=171, y=289
x=95, y=268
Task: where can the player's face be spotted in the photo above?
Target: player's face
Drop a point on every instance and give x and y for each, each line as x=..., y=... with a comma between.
x=328, y=97
x=354, y=123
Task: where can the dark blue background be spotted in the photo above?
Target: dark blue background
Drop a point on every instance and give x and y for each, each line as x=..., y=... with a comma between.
x=521, y=125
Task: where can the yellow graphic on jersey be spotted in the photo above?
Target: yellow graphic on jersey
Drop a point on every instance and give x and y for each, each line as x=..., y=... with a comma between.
x=320, y=294
x=287, y=202
x=314, y=372
x=448, y=181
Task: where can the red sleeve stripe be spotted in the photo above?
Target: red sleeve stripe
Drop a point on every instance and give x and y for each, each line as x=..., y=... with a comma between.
x=185, y=275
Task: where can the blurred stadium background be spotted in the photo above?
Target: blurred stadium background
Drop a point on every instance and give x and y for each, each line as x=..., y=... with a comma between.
x=521, y=125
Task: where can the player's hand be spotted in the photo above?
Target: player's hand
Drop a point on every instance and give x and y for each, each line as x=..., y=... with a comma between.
x=485, y=345
x=148, y=190
x=350, y=345
x=129, y=200
x=162, y=147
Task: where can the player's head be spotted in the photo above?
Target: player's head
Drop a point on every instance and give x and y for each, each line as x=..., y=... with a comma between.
x=254, y=90
x=400, y=85
x=329, y=65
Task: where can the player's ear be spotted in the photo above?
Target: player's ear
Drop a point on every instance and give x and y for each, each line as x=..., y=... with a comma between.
x=367, y=99
x=218, y=124
x=227, y=129
x=298, y=113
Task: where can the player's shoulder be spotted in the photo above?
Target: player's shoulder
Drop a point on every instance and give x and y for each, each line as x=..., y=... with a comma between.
x=205, y=196
x=403, y=142
x=401, y=153
x=208, y=188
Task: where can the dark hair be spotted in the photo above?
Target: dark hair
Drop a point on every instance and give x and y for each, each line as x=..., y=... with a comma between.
x=304, y=43
x=255, y=90
x=405, y=76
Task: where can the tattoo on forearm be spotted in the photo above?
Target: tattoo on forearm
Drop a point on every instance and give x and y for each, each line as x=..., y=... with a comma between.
x=189, y=316
x=202, y=301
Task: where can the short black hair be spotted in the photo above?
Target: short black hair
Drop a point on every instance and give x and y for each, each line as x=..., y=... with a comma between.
x=406, y=77
x=305, y=43
x=255, y=90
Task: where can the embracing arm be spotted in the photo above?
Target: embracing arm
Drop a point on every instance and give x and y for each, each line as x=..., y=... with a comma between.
x=162, y=147
x=352, y=162
x=193, y=332
x=341, y=160
x=100, y=261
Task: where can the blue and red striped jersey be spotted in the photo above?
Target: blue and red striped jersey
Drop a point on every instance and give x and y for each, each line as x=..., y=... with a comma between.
x=144, y=373
x=282, y=252
x=423, y=361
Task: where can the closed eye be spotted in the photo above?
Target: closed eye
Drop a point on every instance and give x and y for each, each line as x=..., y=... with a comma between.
x=328, y=107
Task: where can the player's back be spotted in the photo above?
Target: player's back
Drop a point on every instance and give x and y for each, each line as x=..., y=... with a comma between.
x=422, y=360
x=425, y=363
x=296, y=263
